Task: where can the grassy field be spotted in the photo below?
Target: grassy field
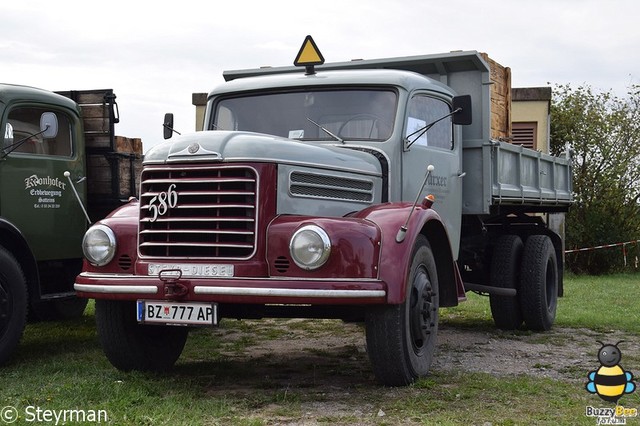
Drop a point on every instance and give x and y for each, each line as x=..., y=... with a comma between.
x=60, y=366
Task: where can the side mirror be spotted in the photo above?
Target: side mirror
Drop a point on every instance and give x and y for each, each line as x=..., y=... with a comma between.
x=168, y=125
x=463, y=116
x=49, y=125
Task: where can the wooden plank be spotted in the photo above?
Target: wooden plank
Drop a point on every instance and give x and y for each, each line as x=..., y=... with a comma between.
x=500, y=99
x=125, y=167
x=102, y=170
x=86, y=96
x=129, y=145
x=101, y=125
x=97, y=140
x=99, y=175
x=95, y=111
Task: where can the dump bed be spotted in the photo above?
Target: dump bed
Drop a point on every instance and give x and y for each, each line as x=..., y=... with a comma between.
x=504, y=174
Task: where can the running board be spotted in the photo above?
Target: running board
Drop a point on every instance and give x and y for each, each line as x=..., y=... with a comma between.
x=498, y=291
x=57, y=296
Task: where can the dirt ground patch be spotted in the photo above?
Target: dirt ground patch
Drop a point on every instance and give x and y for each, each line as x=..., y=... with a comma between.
x=318, y=354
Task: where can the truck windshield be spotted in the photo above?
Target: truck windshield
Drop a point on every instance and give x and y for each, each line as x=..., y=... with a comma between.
x=364, y=114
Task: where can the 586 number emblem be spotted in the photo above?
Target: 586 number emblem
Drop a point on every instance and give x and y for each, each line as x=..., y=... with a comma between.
x=160, y=204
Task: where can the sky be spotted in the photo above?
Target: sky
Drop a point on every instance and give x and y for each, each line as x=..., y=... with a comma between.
x=155, y=54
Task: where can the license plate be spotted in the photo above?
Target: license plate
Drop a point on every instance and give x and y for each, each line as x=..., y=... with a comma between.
x=193, y=269
x=175, y=313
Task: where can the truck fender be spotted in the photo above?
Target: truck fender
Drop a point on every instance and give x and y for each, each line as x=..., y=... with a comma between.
x=12, y=239
x=394, y=256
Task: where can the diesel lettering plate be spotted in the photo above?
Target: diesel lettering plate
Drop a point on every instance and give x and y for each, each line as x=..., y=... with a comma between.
x=193, y=269
x=159, y=312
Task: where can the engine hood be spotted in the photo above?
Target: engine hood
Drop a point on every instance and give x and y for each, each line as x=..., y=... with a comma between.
x=225, y=146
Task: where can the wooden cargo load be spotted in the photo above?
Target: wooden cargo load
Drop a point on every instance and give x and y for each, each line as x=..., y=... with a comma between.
x=500, y=99
x=114, y=162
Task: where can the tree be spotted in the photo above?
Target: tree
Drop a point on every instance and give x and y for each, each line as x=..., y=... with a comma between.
x=603, y=133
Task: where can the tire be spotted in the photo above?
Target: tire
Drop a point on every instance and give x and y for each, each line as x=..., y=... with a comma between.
x=505, y=273
x=13, y=304
x=401, y=339
x=539, y=283
x=132, y=346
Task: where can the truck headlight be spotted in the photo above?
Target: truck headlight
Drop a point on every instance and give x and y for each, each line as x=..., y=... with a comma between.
x=310, y=247
x=99, y=245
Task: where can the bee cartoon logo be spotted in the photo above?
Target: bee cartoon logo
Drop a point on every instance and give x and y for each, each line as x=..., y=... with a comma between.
x=610, y=381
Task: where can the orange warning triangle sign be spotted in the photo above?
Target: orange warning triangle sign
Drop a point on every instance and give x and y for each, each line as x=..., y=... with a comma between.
x=309, y=54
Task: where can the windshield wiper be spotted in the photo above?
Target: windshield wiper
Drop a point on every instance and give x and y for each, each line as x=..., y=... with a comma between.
x=339, y=139
x=422, y=130
x=10, y=148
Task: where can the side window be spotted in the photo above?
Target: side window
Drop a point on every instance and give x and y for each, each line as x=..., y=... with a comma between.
x=24, y=123
x=424, y=110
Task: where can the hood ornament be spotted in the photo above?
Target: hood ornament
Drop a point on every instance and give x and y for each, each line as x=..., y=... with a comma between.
x=195, y=152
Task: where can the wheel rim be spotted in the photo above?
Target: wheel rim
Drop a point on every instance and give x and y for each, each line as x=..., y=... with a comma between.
x=5, y=309
x=421, y=310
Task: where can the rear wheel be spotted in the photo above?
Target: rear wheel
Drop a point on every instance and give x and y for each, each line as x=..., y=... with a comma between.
x=401, y=339
x=13, y=304
x=132, y=346
x=539, y=283
x=505, y=273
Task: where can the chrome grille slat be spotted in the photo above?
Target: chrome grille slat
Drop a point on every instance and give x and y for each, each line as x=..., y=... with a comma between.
x=195, y=231
x=196, y=245
x=215, y=216
x=216, y=219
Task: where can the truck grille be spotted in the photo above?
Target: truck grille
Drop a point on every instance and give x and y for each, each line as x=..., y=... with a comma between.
x=330, y=187
x=198, y=212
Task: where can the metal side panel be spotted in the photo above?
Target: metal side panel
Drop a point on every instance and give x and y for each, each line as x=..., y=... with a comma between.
x=499, y=173
x=521, y=176
x=476, y=184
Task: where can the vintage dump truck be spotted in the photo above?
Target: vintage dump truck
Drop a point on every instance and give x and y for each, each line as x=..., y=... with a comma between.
x=48, y=153
x=366, y=191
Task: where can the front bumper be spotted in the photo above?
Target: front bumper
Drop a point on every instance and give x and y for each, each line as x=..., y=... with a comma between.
x=232, y=290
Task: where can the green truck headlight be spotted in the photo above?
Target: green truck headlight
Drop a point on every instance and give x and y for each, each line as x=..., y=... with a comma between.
x=99, y=245
x=310, y=247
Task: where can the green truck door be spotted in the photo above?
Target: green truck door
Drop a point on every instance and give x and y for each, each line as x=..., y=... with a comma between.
x=35, y=195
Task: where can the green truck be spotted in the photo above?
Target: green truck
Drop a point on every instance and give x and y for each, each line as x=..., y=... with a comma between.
x=369, y=191
x=60, y=167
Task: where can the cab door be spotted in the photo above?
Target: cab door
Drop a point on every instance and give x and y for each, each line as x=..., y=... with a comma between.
x=435, y=147
x=36, y=196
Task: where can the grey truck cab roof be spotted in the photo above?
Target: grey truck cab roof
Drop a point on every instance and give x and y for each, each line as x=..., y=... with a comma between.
x=369, y=77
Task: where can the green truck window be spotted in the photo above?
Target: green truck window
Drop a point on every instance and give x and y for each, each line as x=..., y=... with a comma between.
x=424, y=110
x=25, y=122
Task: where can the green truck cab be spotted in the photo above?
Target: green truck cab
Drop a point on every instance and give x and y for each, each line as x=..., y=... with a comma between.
x=45, y=197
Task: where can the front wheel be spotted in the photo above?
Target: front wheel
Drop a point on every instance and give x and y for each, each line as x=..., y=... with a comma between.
x=13, y=304
x=401, y=339
x=132, y=346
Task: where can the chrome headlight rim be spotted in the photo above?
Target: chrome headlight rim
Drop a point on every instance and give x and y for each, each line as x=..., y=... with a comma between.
x=110, y=251
x=326, y=247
